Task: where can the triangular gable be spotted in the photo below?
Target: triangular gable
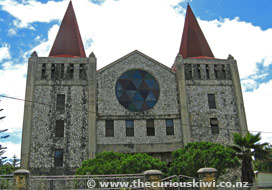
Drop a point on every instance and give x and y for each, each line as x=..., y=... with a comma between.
x=133, y=53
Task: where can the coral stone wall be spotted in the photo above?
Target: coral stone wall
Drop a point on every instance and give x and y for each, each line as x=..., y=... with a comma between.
x=167, y=106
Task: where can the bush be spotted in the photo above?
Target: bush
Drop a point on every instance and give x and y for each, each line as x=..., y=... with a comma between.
x=198, y=155
x=120, y=163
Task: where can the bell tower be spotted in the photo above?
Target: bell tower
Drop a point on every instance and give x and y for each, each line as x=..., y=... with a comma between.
x=210, y=94
x=60, y=112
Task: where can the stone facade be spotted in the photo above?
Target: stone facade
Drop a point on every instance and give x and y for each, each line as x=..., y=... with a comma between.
x=91, y=100
x=165, y=108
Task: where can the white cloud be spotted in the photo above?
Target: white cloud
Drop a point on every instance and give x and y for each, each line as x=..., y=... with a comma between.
x=4, y=52
x=247, y=43
x=119, y=27
x=12, y=149
x=13, y=82
x=249, y=84
x=258, y=106
x=12, y=31
x=268, y=60
x=33, y=11
x=45, y=45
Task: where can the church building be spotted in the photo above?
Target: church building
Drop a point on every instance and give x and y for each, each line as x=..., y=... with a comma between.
x=133, y=105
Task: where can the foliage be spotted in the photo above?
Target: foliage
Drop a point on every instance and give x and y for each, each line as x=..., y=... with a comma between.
x=2, y=149
x=120, y=163
x=6, y=169
x=15, y=161
x=198, y=155
x=264, y=165
x=248, y=147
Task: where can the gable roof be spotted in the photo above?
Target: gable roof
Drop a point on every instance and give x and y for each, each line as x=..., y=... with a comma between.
x=68, y=42
x=130, y=54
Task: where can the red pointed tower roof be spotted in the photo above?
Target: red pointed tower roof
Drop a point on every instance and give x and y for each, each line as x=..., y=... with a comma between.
x=193, y=42
x=68, y=42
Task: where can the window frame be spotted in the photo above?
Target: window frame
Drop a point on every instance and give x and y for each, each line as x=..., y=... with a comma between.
x=60, y=104
x=211, y=101
x=169, y=128
x=150, y=127
x=214, y=125
x=130, y=128
x=58, y=162
x=109, y=128
x=59, y=130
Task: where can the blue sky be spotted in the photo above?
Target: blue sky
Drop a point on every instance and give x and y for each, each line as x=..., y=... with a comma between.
x=113, y=28
x=255, y=12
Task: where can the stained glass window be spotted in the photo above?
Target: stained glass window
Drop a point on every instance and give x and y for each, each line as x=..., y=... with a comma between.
x=137, y=90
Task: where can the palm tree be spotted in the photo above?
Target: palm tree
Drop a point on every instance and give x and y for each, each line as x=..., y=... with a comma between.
x=247, y=148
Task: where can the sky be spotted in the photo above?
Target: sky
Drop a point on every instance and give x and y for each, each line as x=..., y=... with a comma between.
x=114, y=28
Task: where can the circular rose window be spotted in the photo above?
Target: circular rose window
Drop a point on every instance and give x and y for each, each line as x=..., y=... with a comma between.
x=137, y=90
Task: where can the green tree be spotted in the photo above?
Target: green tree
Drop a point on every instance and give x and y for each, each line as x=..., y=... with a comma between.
x=120, y=163
x=198, y=155
x=264, y=165
x=2, y=149
x=15, y=161
x=248, y=147
x=6, y=169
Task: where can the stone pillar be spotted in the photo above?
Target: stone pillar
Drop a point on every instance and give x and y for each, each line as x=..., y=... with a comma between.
x=208, y=175
x=152, y=179
x=21, y=179
x=28, y=109
x=92, y=105
x=185, y=123
x=238, y=95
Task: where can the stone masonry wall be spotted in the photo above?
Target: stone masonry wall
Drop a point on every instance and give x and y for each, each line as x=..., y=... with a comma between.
x=140, y=136
x=109, y=108
x=75, y=116
x=44, y=142
x=200, y=113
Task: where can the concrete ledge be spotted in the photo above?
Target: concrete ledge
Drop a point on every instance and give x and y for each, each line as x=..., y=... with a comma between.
x=206, y=170
x=21, y=171
x=153, y=172
x=140, y=148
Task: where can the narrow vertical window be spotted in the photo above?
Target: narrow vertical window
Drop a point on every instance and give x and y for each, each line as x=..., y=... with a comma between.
x=188, y=72
x=150, y=130
x=169, y=126
x=59, y=128
x=60, y=102
x=198, y=70
x=207, y=72
x=129, y=128
x=62, y=71
x=81, y=71
x=214, y=125
x=58, y=157
x=109, y=128
x=216, y=70
x=211, y=101
x=43, y=71
x=53, y=71
x=71, y=71
x=224, y=74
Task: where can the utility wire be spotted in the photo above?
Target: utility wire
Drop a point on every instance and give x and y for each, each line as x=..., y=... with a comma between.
x=81, y=110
